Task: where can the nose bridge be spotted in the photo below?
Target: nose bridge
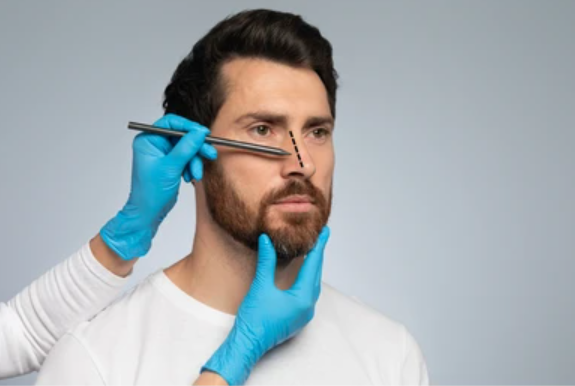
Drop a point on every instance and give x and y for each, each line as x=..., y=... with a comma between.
x=300, y=161
x=296, y=148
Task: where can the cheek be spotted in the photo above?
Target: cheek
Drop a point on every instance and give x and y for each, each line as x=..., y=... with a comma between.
x=325, y=165
x=250, y=179
x=326, y=185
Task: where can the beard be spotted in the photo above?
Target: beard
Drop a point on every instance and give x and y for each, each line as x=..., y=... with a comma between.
x=296, y=233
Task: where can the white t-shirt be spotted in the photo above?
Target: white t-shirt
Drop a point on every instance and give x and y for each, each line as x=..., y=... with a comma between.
x=158, y=334
x=33, y=321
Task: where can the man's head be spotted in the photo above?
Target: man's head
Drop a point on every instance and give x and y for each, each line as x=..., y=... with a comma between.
x=264, y=76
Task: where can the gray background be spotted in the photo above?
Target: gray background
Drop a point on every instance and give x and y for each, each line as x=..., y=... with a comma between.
x=453, y=197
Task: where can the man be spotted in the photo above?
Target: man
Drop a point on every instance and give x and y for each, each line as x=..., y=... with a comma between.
x=264, y=77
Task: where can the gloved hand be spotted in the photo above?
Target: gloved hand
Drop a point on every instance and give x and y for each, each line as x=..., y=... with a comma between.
x=159, y=162
x=268, y=316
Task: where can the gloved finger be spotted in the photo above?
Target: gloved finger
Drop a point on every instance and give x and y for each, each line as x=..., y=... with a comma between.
x=173, y=140
x=186, y=148
x=151, y=144
x=160, y=145
x=196, y=168
x=308, y=274
x=176, y=122
x=180, y=123
x=266, y=267
x=186, y=175
x=208, y=151
x=317, y=282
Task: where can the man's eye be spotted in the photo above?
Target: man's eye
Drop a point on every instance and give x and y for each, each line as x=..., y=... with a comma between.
x=261, y=130
x=321, y=133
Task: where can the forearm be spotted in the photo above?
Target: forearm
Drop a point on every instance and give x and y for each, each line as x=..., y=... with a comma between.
x=69, y=293
x=15, y=357
x=210, y=378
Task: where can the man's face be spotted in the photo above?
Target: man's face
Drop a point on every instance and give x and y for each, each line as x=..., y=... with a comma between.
x=264, y=102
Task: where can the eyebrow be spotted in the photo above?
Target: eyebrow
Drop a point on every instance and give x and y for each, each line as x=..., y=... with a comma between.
x=282, y=119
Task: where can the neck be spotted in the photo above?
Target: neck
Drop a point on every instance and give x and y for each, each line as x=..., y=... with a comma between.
x=219, y=271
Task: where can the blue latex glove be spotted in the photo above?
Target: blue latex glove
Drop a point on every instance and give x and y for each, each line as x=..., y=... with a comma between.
x=268, y=316
x=159, y=163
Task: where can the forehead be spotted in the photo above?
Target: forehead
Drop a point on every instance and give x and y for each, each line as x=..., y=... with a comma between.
x=265, y=85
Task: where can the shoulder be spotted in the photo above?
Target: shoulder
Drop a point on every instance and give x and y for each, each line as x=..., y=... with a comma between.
x=110, y=334
x=82, y=355
x=375, y=335
x=124, y=314
x=70, y=362
x=354, y=315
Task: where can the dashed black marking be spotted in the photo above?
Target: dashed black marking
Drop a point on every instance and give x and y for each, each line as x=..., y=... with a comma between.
x=296, y=150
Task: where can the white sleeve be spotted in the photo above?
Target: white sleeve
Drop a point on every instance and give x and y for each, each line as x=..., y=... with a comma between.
x=413, y=368
x=69, y=363
x=33, y=321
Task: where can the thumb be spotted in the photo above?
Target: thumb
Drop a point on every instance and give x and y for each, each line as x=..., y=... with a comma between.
x=309, y=273
x=266, y=267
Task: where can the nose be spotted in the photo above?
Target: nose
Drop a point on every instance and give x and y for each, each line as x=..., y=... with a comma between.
x=300, y=162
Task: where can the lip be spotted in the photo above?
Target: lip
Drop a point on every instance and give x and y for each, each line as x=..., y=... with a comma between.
x=294, y=206
x=295, y=199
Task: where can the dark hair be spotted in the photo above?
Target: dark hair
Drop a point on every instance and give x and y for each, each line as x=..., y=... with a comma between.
x=196, y=91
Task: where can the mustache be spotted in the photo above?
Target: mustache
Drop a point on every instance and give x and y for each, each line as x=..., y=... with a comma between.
x=296, y=186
